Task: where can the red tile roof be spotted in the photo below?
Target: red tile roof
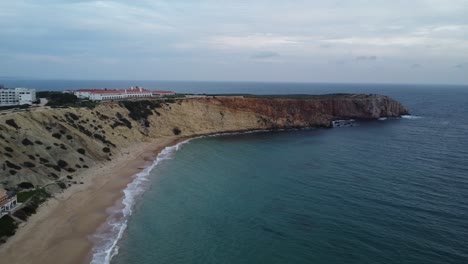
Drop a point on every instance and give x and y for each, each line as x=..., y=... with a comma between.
x=128, y=91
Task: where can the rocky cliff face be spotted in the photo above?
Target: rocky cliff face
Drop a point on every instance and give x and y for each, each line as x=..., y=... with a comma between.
x=47, y=145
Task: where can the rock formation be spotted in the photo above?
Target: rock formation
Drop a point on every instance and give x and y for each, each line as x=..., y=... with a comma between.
x=43, y=145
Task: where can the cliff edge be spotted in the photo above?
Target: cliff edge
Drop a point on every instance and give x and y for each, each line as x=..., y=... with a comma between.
x=46, y=145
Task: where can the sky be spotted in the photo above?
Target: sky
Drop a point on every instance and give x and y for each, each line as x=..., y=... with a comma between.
x=364, y=41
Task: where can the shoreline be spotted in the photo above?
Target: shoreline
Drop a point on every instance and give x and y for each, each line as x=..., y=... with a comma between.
x=60, y=231
x=81, y=211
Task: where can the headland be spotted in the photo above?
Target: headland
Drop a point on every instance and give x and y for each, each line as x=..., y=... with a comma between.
x=85, y=156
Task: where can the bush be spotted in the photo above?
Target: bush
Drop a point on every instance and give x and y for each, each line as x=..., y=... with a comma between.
x=81, y=151
x=62, y=163
x=7, y=226
x=28, y=164
x=58, y=99
x=12, y=123
x=106, y=150
x=11, y=165
x=27, y=142
x=176, y=131
x=8, y=149
x=26, y=185
x=140, y=109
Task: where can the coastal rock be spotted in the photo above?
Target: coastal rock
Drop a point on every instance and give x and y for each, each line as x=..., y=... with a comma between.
x=46, y=145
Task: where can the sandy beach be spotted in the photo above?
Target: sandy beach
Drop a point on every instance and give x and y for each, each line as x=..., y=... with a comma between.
x=60, y=231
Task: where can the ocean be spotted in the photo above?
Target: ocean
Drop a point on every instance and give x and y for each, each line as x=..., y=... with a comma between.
x=388, y=191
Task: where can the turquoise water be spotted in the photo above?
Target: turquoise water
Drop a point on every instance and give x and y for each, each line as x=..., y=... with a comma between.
x=393, y=191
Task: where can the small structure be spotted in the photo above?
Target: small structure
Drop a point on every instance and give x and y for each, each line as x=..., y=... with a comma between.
x=17, y=96
x=8, y=202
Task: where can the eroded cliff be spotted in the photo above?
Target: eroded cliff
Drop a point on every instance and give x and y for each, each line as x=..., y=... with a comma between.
x=47, y=145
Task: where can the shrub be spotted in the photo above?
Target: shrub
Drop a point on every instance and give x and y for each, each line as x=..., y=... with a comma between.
x=12, y=123
x=7, y=226
x=62, y=163
x=8, y=149
x=11, y=165
x=28, y=164
x=73, y=116
x=26, y=185
x=106, y=150
x=27, y=142
x=57, y=135
x=176, y=131
x=58, y=99
x=81, y=151
x=140, y=109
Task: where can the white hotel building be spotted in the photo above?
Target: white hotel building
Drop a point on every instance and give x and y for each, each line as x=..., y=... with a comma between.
x=17, y=96
x=100, y=95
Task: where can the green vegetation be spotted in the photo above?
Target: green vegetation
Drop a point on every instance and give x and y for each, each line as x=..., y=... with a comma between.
x=174, y=96
x=140, y=109
x=24, y=196
x=32, y=200
x=12, y=123
x=25, y=106
x=59, y=99
x=176, y=131
x=26, y=185
x=7, y=227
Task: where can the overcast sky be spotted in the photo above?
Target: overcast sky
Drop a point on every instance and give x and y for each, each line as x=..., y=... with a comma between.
x=399, y=41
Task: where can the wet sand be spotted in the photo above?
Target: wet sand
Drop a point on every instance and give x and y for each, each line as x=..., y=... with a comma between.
x=60, y=231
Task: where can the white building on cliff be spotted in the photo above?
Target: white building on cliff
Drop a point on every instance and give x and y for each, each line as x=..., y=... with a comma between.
x=133, y=92
x=8, y=202
x=17, y=96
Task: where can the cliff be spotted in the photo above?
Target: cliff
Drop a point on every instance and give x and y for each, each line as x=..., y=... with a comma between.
x=46, y=145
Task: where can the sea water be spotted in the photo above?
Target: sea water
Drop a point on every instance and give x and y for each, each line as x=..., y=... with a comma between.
x=387, y=191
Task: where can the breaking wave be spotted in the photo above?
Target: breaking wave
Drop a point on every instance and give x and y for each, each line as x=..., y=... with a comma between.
x=108, y=235
x=411, y=117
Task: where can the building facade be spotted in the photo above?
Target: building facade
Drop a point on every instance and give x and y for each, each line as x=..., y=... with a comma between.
x=8, y=202
x=17, y=96
x=132, y=92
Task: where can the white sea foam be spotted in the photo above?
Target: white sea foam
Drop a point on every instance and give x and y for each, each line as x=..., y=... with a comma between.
x=411, y=117
x=108, y=236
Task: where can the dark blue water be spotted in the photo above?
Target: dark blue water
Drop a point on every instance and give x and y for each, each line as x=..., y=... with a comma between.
x=393, y=191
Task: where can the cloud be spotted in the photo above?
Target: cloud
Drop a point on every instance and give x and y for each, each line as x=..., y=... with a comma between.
x=416, y=66
x=253, y=41
x=366, y=58
x=189, y=39
x=264, y=55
